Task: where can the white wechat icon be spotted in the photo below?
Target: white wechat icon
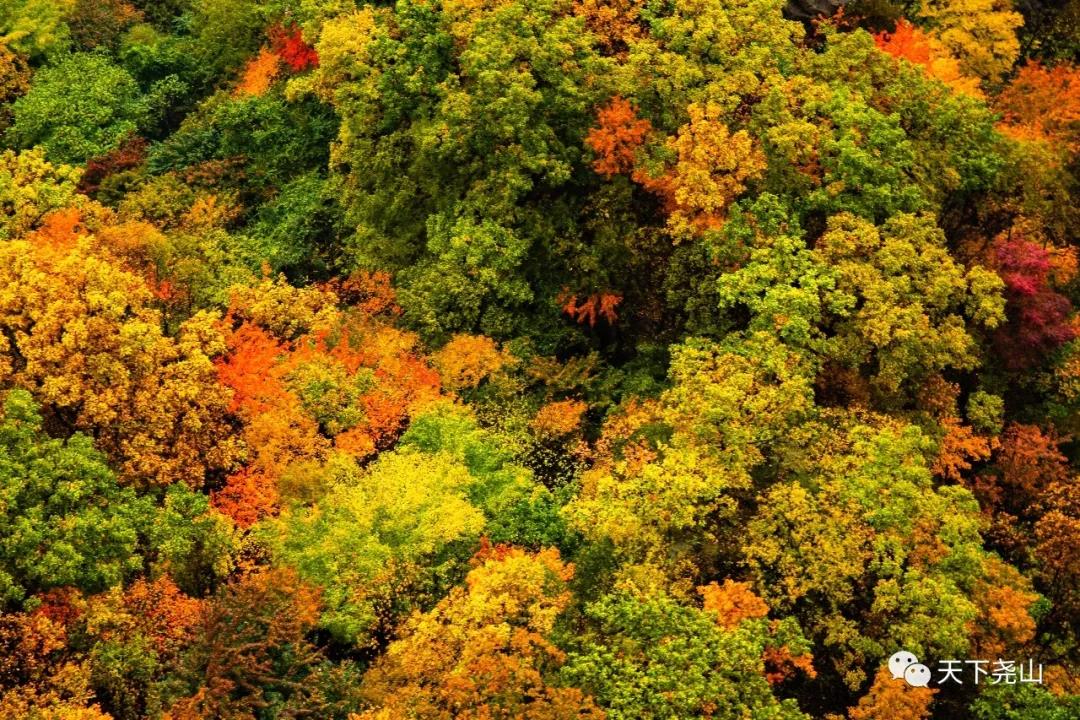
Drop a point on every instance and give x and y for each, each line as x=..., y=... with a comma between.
x=917, y=675
x=899, y=662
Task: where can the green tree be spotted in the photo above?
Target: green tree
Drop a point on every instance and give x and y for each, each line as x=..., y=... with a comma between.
x=65, y=520
x=364, y=539
x=865, y=551
x=654, y=657
x=82, y=107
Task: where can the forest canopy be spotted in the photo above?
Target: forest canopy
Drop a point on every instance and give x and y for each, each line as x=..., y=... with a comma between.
x=545, y=359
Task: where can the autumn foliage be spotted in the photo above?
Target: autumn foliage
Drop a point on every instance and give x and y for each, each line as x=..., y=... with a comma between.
x=541, y=359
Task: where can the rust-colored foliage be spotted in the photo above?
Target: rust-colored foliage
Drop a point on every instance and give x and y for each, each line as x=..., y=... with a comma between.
x=249, y=369
x=249, y=495
x=617, y=137
x=781, y=664
x=251, y=643
x=95, y=23
x=1029, y=461
x=907, y=42
x=38, y=678
x=163, y=612
x=1057, y=544
x=130, y=155
x=959, y=447
x=593, y=307
x=14, y=82
x=613, y=22
x=1043, y=103
x=372, y=293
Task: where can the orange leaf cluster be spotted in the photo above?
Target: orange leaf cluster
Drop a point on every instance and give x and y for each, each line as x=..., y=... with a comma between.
x=249, y=495
x=959, y=448
x=259, y=74
x=1043, y=104
x=597, y=305
x=732, y=603
x=1004, y=600
x=616, y=139
x=890, y=699
x=468, y=360
x=372, y=293
x=558, y=419
x=909, y=43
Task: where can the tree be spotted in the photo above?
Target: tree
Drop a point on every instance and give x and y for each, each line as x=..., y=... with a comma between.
x=1043, y=103
x=713, y=168
x=908, y=42
x=35, y=27
x=867, y=554
x=82, y=335
x=251, y=653
x=675, y=471
x=38, y=679
x=65, y=520
x=457, y=216
x=14, y=82
x=386, y=520
x=652, y=657
x=906, y=304
x=100, y=23
x=139, y=635
x=618, y=136
x=31, y=188
x=483, y=651
x=80, y=108
x=888, y=699
x=1038, y=316
x=980, y=33
x=1023, y=702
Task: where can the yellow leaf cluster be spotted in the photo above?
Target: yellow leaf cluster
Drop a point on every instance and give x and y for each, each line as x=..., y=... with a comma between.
x=714, y=165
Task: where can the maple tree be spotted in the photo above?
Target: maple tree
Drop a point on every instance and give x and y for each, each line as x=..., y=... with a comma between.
x=1038, y=315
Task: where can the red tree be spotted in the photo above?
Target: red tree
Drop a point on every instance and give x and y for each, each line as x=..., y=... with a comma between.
x=1038, y=317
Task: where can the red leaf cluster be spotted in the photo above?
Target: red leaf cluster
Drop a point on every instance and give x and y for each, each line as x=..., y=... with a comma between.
x=288, y=44
x=1038, y=317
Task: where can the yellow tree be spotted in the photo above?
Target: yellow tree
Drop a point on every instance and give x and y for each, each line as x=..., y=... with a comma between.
x=981, y=34
x=483, y=652
x=81, y=333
